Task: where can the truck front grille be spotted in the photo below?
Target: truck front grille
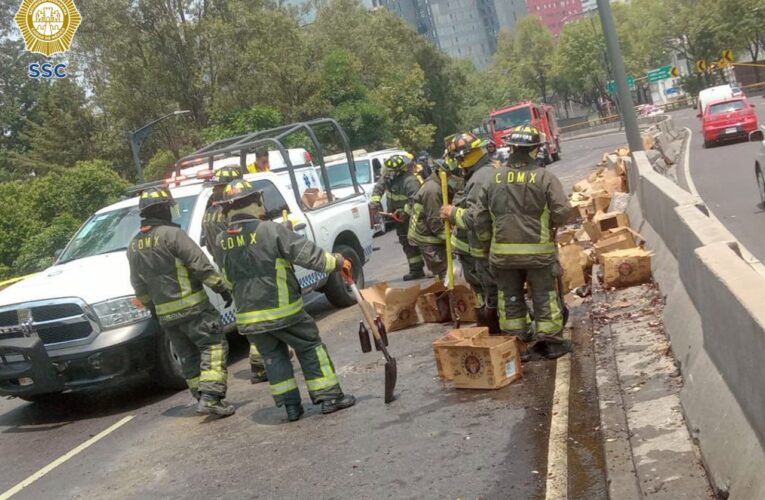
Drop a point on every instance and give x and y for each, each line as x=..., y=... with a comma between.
x=57, y=321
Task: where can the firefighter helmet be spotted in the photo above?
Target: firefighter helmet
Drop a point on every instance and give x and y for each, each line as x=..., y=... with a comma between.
x=462, y=144
x=154, y=196
x=225, y=175
x=240, y=189
x=524, y=136
x=396, y=163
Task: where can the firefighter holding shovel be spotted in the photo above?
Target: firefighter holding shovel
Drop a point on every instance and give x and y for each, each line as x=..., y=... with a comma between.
x=257, y=261
x=525, y=202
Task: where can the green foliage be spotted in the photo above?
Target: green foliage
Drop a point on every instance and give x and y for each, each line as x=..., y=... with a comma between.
x=159, y=166
x=243, y=121
x=533, y=54
x=37, y=251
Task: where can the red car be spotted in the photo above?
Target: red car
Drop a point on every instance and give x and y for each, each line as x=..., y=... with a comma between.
x=728, y=119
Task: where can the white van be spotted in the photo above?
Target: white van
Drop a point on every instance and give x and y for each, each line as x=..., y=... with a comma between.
x=713, y=94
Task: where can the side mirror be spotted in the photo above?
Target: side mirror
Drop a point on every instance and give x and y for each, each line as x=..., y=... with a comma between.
x=756, y=136
x=299, y=226
x=698, y=115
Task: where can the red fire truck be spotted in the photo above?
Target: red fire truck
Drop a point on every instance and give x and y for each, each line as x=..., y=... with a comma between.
x=541, y=116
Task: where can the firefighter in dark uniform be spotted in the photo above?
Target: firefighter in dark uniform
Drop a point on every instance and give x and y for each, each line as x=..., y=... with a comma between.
x=426, y=229
x=526, y=201
x=258, y=257
x=399, y=186
x=167, y=271
x=421, y=167
x=214, y=223
x=472, y=240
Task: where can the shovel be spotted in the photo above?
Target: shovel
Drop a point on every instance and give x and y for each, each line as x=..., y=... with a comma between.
x=390, y=362
x=449, y=256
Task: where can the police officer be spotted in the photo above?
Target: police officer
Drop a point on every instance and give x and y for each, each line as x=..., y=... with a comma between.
x=426, y=229
x=399, y=186
x=526, y=201
x=257, y=259
x=167, y=271
x=214, y=223
x=473, y=236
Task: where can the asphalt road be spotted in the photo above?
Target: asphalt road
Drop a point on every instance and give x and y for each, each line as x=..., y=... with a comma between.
x=724, y=178
x=432, y=442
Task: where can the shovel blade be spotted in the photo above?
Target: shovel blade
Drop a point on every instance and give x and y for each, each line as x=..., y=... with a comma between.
x=391, y=373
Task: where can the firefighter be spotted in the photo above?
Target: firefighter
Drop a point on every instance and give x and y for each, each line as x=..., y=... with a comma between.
x=261, y=164
x=473, y=239
x=258, y=257
x=399, y=186
x=526, y=201
x=421, y=168
x=213, y=224
x=167, y=271
x=426, y=229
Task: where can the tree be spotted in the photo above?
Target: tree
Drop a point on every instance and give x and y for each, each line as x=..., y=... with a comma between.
x=745, y=18
x=533, y=50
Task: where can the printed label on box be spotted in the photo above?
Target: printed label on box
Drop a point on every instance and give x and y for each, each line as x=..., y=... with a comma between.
x=510, y=368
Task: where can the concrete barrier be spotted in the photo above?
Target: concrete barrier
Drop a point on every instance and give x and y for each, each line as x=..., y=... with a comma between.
x=715, y=319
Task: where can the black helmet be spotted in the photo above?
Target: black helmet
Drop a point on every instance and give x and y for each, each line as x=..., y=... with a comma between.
x=240, y=189
x=396, y=163
x=225, y=175
x=524, y=136
x=423, y=156
x=154, y=196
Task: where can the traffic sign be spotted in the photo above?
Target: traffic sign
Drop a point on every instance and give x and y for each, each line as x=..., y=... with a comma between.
x=727, y=55
x=723, y=63
x=611, y=85
x=672, y=90
x=675, y=72
x=658, y=74
x=701, y=65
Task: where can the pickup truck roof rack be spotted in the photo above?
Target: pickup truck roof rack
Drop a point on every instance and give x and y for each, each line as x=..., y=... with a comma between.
x=275, y=138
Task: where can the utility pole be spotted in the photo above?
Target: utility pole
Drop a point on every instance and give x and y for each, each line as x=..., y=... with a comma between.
x=629, y=118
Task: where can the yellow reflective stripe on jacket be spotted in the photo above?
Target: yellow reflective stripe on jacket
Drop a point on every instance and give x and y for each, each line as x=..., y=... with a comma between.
x=281, y=281
x=180, y=304
x=330, y=262
x=522, y=248
x=460, y=245
x=396, y=197
x=375, y=198
x=329, y=379
x=459, y=218
x=478, y=252
x=283, y=387
x=183, y=277
x=544, y=230
x=217, y=370
x=417, y=237
x=212, y=281
x=252, y=317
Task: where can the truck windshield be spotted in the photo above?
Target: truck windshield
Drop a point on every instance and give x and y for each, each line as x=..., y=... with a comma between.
x=112, y=231
x=340, y=175
x=512, y=118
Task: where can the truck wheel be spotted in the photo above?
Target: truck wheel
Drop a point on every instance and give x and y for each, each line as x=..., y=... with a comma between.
x=338, y=293
x=167, y=368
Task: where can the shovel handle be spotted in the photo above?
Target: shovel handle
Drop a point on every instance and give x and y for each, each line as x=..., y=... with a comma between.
x=447, y=231
x=365, y=312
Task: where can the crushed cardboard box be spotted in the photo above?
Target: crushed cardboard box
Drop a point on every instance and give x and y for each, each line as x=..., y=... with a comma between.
x=484, y=362
x=314, y=197
x=465, y=303
x=445, y=371
x=433, y=304
x=611, y=220
x=620, y=241
x=396, y=306
x=573, y=261
x=624, y=268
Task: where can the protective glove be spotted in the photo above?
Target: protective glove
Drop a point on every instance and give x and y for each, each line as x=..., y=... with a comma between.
x=446, y=212
x=227, y=298
x=345, y=267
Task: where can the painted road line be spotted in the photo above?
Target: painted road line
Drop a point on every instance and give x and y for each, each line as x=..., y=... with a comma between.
x=557, y=446
x=40, y=473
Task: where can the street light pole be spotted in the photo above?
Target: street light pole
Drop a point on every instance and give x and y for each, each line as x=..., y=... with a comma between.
x=136, y=138
x=629, y=118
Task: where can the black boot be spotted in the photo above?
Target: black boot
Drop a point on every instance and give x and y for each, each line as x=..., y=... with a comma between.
x=341, y=403
x=480, y=316
x=414, y=275
x=492, y=321
x=294, y=412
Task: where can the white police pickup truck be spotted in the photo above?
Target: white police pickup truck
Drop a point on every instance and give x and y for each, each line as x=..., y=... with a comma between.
x=77, y=324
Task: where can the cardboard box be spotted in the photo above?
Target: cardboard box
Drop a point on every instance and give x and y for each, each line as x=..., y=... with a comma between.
x=314, y=197
x=592, y=230
x=623, y=268
x=581, y=186
x=484, y=362
x=619, y=241
x=433, y=304
x=396, y=306
x=445, y=371
x=566, y=237
x=611, y=220
x=465, y=302
x=573, y=261
x=601, y=202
